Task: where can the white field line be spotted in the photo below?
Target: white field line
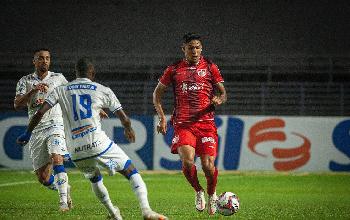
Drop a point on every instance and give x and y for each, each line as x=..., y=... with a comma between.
x=16, y=183
x=148, y=179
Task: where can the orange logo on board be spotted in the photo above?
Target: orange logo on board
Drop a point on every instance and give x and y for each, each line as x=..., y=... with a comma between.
x=288, y=158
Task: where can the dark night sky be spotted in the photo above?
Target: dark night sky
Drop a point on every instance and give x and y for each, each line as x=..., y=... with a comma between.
x=156, y=26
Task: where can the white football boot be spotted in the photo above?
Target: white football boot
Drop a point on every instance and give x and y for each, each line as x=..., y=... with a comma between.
x=63, y=207
x=116, y=215
x=212, y=204
x=200, y=200
x=148, y=214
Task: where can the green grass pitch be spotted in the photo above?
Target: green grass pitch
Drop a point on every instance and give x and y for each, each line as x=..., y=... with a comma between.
x=263, y=195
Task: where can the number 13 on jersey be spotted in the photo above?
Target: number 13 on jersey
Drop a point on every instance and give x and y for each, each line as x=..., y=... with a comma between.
x=84, y=106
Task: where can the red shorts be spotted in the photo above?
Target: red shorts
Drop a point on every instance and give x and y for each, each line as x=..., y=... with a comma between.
x=202, y=136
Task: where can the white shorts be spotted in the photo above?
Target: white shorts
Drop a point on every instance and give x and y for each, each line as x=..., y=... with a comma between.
x=45, y=142
x=114, y=160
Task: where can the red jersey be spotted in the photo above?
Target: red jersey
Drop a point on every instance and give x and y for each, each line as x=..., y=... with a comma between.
x=193, y=87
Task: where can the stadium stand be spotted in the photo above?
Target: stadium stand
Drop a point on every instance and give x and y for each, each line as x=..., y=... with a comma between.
x=277, y=57
x=279, y=85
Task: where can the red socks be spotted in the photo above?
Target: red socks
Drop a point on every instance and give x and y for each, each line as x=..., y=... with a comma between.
x=192, y=178
x=211, y=182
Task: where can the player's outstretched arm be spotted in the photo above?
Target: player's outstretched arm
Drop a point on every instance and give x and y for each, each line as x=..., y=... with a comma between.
x=157, y=102
x=128, y=131
x=25, y=137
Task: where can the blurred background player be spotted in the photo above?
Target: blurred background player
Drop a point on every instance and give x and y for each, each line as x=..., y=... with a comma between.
x=81, y=101
x=198, y=88
x=47, y=144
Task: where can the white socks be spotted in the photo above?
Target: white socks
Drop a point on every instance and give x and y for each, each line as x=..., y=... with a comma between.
x=61, y=180
x=140, y=190
x=137, y=185
x=101, y=193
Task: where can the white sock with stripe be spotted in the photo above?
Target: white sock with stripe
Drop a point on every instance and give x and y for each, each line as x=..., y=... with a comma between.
x=140, y=190
x=102, y=194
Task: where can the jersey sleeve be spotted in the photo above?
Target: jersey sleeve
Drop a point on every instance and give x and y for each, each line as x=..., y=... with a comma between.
x=217, y=78
x=111, y=101
x=166, y=78
x=21, y=88
x=63, y=80
x=52, y=98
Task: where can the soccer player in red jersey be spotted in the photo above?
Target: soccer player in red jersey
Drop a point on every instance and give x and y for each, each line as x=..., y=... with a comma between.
x=198, y=89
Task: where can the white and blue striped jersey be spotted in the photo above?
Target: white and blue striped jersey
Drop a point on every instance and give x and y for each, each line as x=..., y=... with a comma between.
x=81, y=101
x=28, y=82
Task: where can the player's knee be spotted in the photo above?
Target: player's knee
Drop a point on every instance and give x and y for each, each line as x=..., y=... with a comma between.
x=208, y=167
x=50, y=183
x=43, y=177
x=129, y=169
x=187, y=163
x=130, y=173
x=57, y=159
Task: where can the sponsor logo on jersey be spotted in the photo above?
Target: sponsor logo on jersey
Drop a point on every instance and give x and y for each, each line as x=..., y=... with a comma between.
x=81, y=86
x=201, y=72
x=82, y=131
x=208, y=139
x=191, y=86
x=87, y=147
x=39, y=98
x=175, y=139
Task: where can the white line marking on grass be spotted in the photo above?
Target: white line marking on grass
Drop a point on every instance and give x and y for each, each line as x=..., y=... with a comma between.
x=16, y=183
x=147, y=178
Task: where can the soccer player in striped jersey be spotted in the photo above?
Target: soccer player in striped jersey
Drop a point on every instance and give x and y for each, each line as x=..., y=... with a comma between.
x=81, y=101
x=47, y=144
x=198, y=88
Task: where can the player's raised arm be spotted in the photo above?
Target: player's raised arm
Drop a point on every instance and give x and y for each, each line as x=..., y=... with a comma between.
x=128, y=131
x=25, y=137
x=22, y=100
x=157, y=102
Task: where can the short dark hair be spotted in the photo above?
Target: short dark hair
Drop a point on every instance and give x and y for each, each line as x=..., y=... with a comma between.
x=191, y=36
x=82, y=66
x=41, y=49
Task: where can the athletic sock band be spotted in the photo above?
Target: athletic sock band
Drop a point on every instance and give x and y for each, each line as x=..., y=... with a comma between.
x=59, y=169
x=95, y=179
x=127, y=164
x=134, y=171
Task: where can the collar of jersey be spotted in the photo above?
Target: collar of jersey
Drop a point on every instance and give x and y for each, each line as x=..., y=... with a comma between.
x=35, y=75
x=83, y=79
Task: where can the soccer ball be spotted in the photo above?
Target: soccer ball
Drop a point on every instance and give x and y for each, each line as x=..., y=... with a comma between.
x=227, y=203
